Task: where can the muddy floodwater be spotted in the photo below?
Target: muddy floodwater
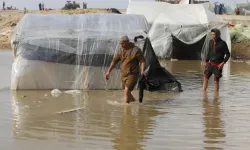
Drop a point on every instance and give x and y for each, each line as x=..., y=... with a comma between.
x=98, y=120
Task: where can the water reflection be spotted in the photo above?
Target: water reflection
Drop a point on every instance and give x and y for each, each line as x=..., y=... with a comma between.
x=183, y=67
x=214, y=126
x=82, y=119
x=135, y=127
x=35, y=114
x=99, y=120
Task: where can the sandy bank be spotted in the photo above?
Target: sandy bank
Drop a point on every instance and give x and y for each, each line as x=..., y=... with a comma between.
x=8, y=20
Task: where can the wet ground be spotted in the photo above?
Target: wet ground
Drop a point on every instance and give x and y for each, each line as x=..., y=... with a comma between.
x=35, y=120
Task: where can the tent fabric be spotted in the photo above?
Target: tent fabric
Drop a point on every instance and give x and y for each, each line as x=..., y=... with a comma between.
x=74, y=51
x=187, y=23
x=208, y=5
x=149, y=9
x=194, y=50
x=244, y=8
x=230, y=8
x=184, y=2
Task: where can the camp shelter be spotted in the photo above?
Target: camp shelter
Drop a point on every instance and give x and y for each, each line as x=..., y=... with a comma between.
x=73, y=51
x=182, y=31
x=207, y=3
x=150, y=10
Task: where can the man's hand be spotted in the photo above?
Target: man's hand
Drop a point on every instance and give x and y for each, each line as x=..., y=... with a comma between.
x=204, y=64
x=142, y=72
x=110, y=69
x=221, y=65
x=107, y=75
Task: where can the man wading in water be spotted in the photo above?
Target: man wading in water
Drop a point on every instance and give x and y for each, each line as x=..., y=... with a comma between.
x=130, y=57
x=218, y=55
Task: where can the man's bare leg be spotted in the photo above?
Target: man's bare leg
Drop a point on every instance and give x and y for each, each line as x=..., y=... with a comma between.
x=126, y=95
x=132, y=99
x=216, y=96
x=205, y=97
x=216, y=86
x=205, y=83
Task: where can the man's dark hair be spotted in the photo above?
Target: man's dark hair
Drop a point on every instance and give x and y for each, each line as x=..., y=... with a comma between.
x=216, y=31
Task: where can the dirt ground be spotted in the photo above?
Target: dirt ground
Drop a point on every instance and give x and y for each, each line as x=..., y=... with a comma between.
x=8, y=20
x=241, y=50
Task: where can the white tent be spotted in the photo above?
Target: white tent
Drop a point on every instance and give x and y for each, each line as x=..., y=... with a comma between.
x=149, y=9
x=182, y=29
x=184, y=2
x=74, y=51
x=70, y=51
x=208, y=5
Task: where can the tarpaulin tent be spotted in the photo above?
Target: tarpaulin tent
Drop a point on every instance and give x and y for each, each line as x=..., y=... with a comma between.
x=74, y=51
x=210, y=6
x=244, y=8
x=182, y=31
x=149, y=9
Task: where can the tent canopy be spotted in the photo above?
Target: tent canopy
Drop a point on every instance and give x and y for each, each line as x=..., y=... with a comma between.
x=149, y=9
x=48, y=29
x=186, y=23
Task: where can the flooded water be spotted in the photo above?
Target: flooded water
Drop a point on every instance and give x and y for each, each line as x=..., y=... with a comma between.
x=35, y=120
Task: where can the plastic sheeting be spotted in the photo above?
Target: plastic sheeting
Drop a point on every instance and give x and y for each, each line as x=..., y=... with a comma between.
x=208, y=5
x=149, y=9
x=74, y=51
x=187, y=23
x=220, y=8
x=244, y=8
x=230, y=8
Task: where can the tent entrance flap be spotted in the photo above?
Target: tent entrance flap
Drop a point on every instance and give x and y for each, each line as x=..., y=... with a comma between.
x=183, y=51
x=158, y=78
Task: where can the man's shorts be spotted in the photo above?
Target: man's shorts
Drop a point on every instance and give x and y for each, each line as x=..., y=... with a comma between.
x=130, y=82
x=211, y=69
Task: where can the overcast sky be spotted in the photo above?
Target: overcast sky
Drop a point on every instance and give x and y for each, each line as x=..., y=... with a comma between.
x=121, y=4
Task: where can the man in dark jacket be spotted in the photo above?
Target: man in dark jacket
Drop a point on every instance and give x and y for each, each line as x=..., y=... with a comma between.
x=218, y=55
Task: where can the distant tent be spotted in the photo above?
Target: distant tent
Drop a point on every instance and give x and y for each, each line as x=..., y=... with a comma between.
x=181, y=31
x=150, y=10
x=207, y=3
x=74, y=51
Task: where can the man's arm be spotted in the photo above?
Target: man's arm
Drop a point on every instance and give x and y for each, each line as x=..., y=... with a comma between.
x=227, y=53
x=226, y=58
x=208, y=53
x=207, y=57
x=112, y=66
x=115, y=60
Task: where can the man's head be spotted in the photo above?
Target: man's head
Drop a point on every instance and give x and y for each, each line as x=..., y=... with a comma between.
x=215, y=34
x=124, y=41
